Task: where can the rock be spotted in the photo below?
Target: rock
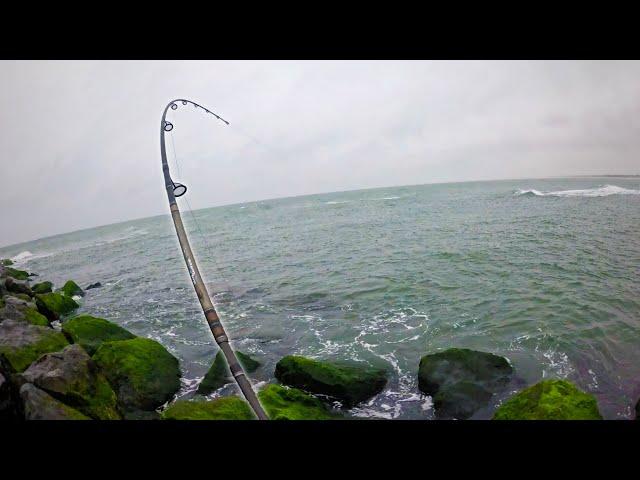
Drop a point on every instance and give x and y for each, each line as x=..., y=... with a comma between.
x=53, y=305
x=22, y=311
x=39, y=405
x=71, y=289
x=18, y=286
x=219, y=374
x=461, y=381
x=225, y=408
x=91, y=332
x=348, y=383
x=142, y=372
x=7, y=262
x=73, y=378
x=638, y=410
x=22, y=343
x=93, y=285
x=15, y=273
x=42, y=287
x=282, y=403
x=550, y=400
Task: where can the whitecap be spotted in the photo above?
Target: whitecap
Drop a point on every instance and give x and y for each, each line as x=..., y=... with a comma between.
x=601, y=191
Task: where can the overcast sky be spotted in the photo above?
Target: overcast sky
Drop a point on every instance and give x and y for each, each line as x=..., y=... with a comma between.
x=80, y=139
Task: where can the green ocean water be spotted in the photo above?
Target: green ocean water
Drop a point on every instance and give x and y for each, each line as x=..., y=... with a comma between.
x=544, y=272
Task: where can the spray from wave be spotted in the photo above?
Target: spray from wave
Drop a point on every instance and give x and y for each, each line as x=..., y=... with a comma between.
x=602, y=191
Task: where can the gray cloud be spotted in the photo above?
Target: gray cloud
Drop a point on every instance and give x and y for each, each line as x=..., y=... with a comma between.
x=80, y=143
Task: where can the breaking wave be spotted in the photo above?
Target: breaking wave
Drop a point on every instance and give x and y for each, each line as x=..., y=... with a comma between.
x=602, y=191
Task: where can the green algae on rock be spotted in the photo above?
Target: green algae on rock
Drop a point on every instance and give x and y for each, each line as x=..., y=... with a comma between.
x=71, y=288
x=550, y=400
x=285, y=403
x=54, y=305
x=91, y=332
x=39, y=405
x=224, y=408
x=7, y=262
x=21, y=343
x=42, y=287
x=142, y=372
x=17, y=274
x=219, y=374
x=72, y=377
x=461, y=381
x=348, y=383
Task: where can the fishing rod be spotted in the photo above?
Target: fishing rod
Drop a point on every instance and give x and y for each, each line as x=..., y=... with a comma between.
x=175, y=190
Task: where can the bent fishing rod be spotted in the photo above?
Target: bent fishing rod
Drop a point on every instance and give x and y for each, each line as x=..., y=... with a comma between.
x=175, y=190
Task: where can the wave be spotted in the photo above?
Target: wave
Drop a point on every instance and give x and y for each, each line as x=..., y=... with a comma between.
x=602, y=191
x=336, y=202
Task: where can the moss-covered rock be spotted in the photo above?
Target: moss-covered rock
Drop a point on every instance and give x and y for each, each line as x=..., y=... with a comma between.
x=225, y=408
x=461, y=381
x=550, y=400
x=21, y=343
x=219, y=374
x=18, y=287
x=42, y=287
x=348, y=383
x=17, y=274
x=283, y=403
x=72, y=377
x=39, y=405
x=22, y=312
x=71, y=289
x=91, y=332
x=54, y=305
x=7, y=262
x=142, y=372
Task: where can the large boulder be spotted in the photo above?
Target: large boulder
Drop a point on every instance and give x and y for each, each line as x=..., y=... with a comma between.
x=550, y=400
x=142, y=372
x=219, y=374
x=16, y=274
x=18, y=286
x=55, y=305
x=72, y=377
x=71, y=289
x=225, y=408
x=348, y=383
x=461, y=381
x=42, y=287
x=91, y=332
x=20, y=310
x=21, y=343
x=283, y=403
x=39, y=405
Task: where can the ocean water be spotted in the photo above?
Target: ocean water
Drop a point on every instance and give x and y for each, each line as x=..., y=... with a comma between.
x=544, y=272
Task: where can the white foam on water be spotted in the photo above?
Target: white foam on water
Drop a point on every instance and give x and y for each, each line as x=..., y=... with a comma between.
x=388, y=198
x=602, y=191
x=336, y=202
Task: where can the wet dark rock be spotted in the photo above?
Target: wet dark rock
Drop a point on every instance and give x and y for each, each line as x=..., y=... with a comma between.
x=73, y=378
x=93, y=285
x=91, y=332
x=18, y=286
x=39, y=405
x=461, y=381
x=550, y=400
x=219, y=374
x=21, y=343
x=350, y=383
x=142, y=372
x=8, y=404
x=42, y=287
x=55, y=305
x=638, y=410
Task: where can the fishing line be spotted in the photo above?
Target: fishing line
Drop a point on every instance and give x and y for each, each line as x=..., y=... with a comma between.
x=207, y=246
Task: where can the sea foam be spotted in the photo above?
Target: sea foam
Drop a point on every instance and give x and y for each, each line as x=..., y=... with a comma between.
x=602, y=191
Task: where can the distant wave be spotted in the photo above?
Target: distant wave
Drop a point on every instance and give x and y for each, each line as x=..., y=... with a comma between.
x=603, y=191
x=388, y=198
x=27, y=256
x=336, y=202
